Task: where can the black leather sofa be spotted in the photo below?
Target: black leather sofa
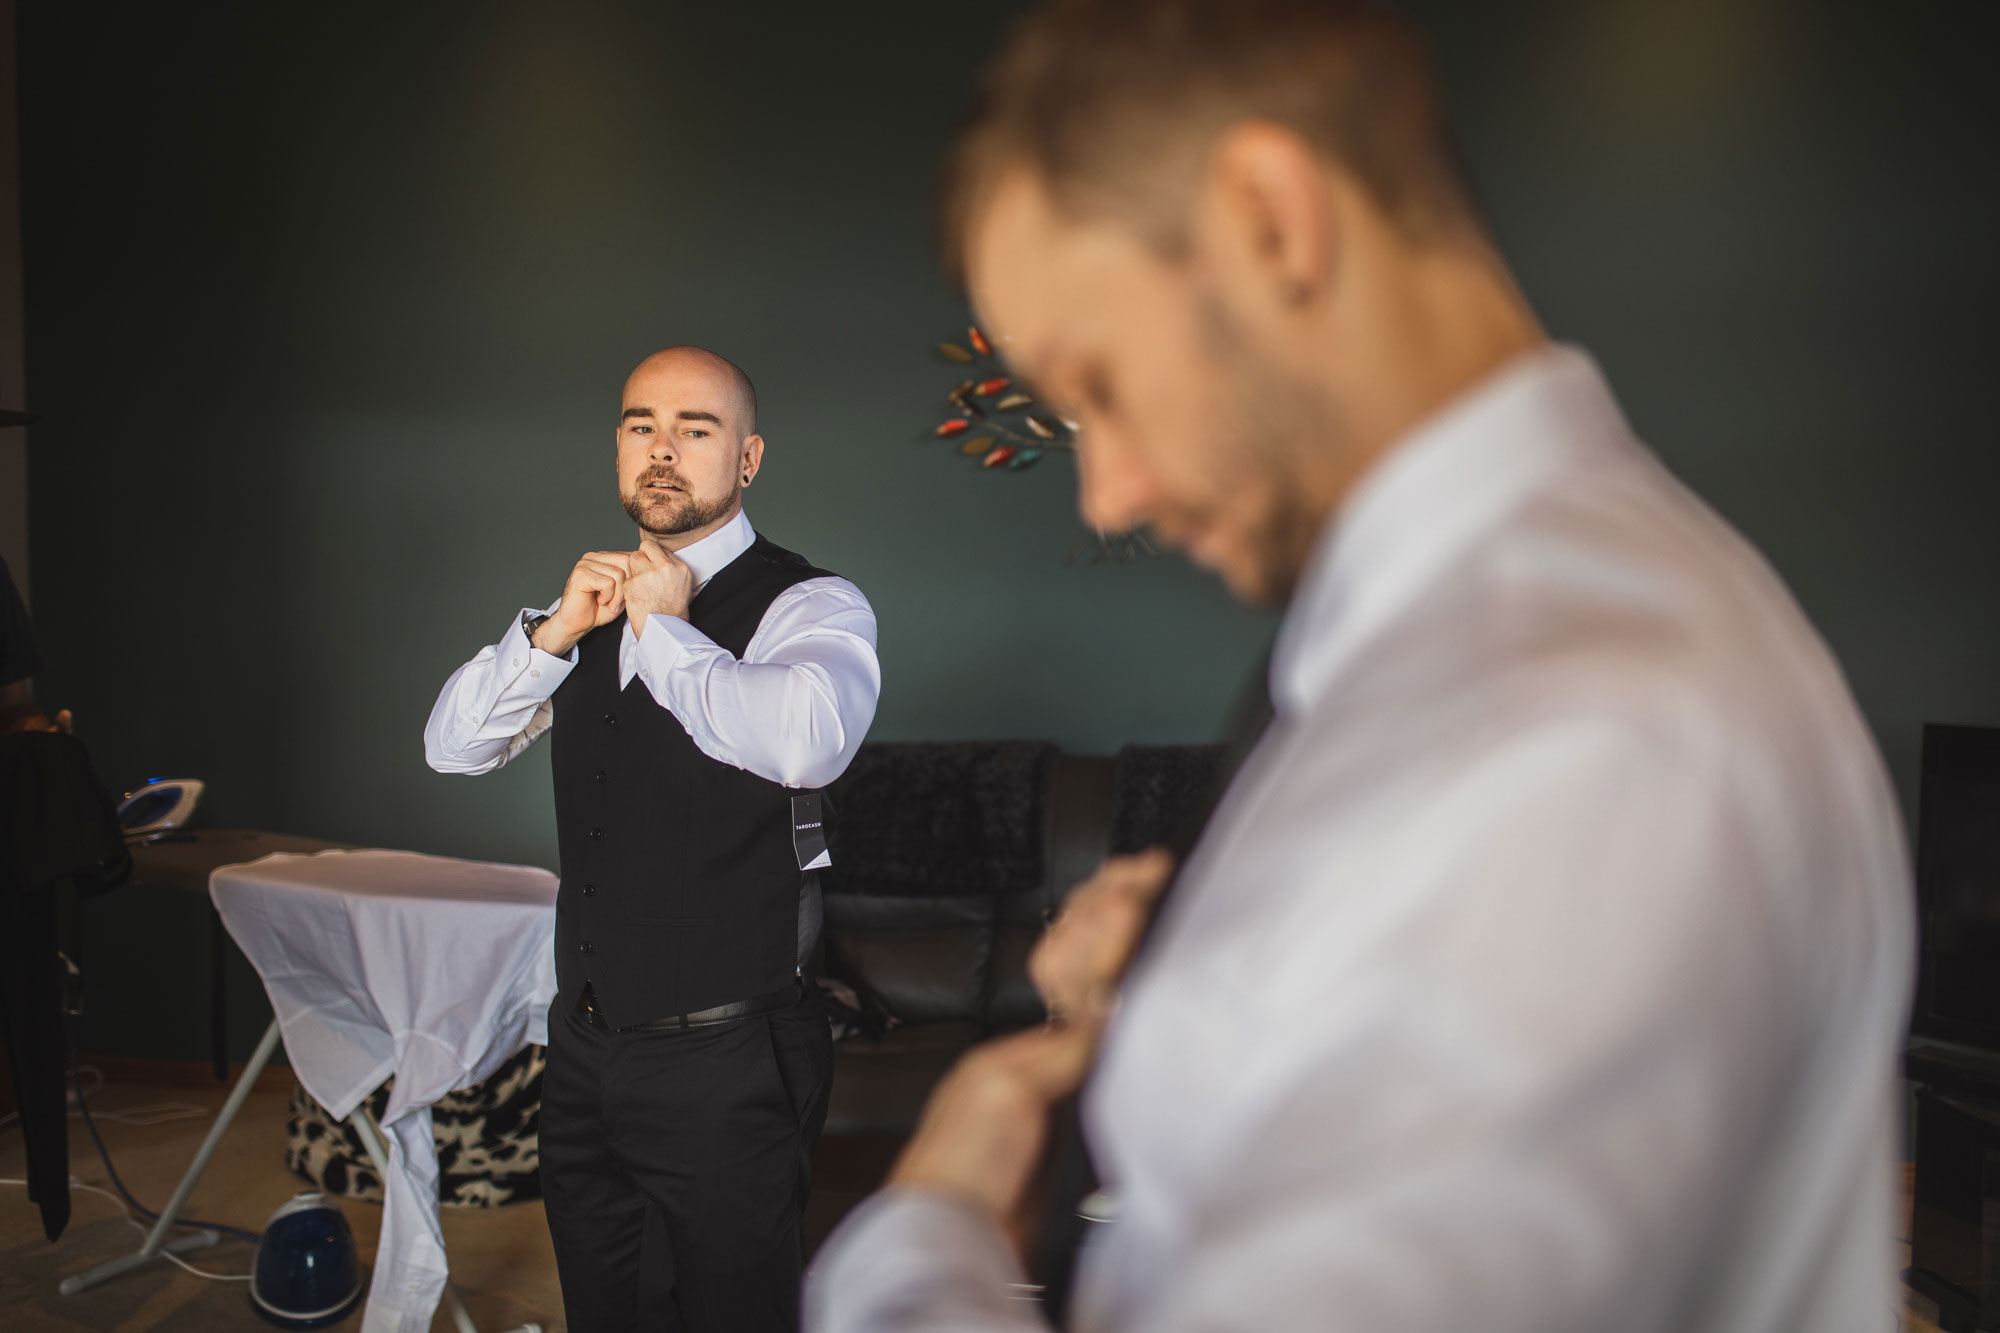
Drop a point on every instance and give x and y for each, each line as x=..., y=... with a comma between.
x=948, y=860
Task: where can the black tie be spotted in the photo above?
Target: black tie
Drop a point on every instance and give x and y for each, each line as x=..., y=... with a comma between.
x=1068, y=1176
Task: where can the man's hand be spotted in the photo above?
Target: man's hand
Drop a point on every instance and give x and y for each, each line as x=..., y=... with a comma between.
x=39, y=721
x=594, y=595
x=659, y=585
x=19, y=712
x=1083, y=953
x=985, y=1127
x=986, y=1124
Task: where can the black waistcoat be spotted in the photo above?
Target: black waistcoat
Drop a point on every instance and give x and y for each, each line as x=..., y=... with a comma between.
x=680, y=887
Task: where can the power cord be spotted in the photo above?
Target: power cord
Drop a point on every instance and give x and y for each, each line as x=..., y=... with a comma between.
x=83, y=1104
x=158, y=1113
x=140, y=1227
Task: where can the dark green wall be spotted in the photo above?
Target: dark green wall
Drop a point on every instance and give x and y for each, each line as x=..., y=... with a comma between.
x=330, y=316
x=328, y=308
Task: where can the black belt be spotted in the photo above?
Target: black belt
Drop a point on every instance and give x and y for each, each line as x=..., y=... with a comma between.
x=721, y=1013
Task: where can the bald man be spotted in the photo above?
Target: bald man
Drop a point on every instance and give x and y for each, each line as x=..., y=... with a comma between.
x=699, y=687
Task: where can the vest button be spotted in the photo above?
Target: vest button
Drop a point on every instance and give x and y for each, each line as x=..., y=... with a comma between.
x=589, y=890
x=596, y=833
x=610, y=719
x=588, y=947
x=601, y=775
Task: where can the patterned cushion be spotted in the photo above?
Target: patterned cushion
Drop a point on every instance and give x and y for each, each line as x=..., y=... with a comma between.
x=488, y=1141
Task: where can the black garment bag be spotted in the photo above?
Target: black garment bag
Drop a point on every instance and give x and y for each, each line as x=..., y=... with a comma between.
x=57, y=827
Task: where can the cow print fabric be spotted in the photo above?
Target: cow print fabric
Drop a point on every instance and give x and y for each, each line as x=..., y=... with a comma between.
x=488, y=1141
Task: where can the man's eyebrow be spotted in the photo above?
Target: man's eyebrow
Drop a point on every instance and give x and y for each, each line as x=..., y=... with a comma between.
x=631, y=412
x=689, y=414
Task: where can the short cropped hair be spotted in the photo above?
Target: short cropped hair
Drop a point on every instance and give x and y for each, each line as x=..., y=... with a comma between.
x=1114, y=105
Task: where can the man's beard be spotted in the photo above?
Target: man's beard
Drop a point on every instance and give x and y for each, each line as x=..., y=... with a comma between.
x=1275, y=420
x=671, y=516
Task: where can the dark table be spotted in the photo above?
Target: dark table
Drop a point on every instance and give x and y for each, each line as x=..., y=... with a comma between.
x=184, y=861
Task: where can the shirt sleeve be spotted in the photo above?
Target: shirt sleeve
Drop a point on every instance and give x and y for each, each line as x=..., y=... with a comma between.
x=909, y=1260
x=795, y=707
x=1526, y=1100
x=496, y=705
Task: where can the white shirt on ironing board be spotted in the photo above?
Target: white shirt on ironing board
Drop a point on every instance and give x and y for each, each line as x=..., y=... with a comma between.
x=793, y=709
x=1544, y=969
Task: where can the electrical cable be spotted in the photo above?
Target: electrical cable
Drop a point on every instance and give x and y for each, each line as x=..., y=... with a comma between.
x=155, y=1113
x=138, y=1226
x=83, y=1104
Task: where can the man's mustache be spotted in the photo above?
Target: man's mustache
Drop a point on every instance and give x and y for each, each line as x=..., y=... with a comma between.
x=663, y=474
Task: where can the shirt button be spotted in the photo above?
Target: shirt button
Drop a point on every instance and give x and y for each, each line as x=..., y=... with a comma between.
x=596, y=834
x=517, y=661
x=590, y=890
x=588, y=947
x=602, y=775
x=536, y=673
x=610, y=719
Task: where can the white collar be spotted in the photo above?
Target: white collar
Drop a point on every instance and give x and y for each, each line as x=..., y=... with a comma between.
x=713, y=553
x=1456, y=476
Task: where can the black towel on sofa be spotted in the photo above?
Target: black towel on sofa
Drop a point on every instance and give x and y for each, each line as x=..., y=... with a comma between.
x=940, y=819
x=1160, y=795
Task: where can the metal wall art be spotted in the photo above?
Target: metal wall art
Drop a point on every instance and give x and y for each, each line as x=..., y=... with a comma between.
x=996, y=421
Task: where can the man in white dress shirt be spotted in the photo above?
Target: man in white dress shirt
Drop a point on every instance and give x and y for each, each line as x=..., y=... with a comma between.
x=696, y=689
x=1544, y=966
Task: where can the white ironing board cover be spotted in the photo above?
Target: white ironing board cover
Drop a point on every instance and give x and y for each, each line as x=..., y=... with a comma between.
x=432, y=969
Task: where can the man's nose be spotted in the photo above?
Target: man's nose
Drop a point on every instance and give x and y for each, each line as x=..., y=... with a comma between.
x=1115, y=492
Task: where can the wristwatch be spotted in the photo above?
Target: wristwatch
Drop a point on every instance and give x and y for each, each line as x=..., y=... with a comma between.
x=530, y=622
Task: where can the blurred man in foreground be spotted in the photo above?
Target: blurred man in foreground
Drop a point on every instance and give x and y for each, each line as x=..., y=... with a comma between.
x=1544, y=966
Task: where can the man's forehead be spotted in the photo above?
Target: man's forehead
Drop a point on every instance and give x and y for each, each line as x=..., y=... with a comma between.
x=1036, y=273
x=677, y=383
x=1011, y=255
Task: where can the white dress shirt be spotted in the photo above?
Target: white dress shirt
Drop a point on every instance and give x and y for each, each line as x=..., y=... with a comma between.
x=794, y=708
x=379, y=965
x=1545, y=968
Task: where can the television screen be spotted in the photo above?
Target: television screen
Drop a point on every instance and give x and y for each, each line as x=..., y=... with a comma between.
x=1958, y=886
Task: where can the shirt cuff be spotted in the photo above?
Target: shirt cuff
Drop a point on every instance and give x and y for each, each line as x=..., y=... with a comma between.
x=916, y=1258
x=527, y=669
x=666, y=642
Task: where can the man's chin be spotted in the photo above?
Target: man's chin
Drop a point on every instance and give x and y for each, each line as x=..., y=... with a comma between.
x=1254, y=585
x=661, y=515
x=1253, y=577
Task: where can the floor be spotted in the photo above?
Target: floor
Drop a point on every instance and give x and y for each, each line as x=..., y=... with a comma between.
x=501, y=1260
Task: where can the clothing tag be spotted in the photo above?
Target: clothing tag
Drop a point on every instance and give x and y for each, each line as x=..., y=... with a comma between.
x=809, y=831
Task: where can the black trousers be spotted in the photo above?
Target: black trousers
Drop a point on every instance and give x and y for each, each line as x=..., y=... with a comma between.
x=711, y=1129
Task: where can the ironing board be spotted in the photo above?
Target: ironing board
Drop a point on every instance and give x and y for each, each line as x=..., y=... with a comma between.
x=381, y=963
